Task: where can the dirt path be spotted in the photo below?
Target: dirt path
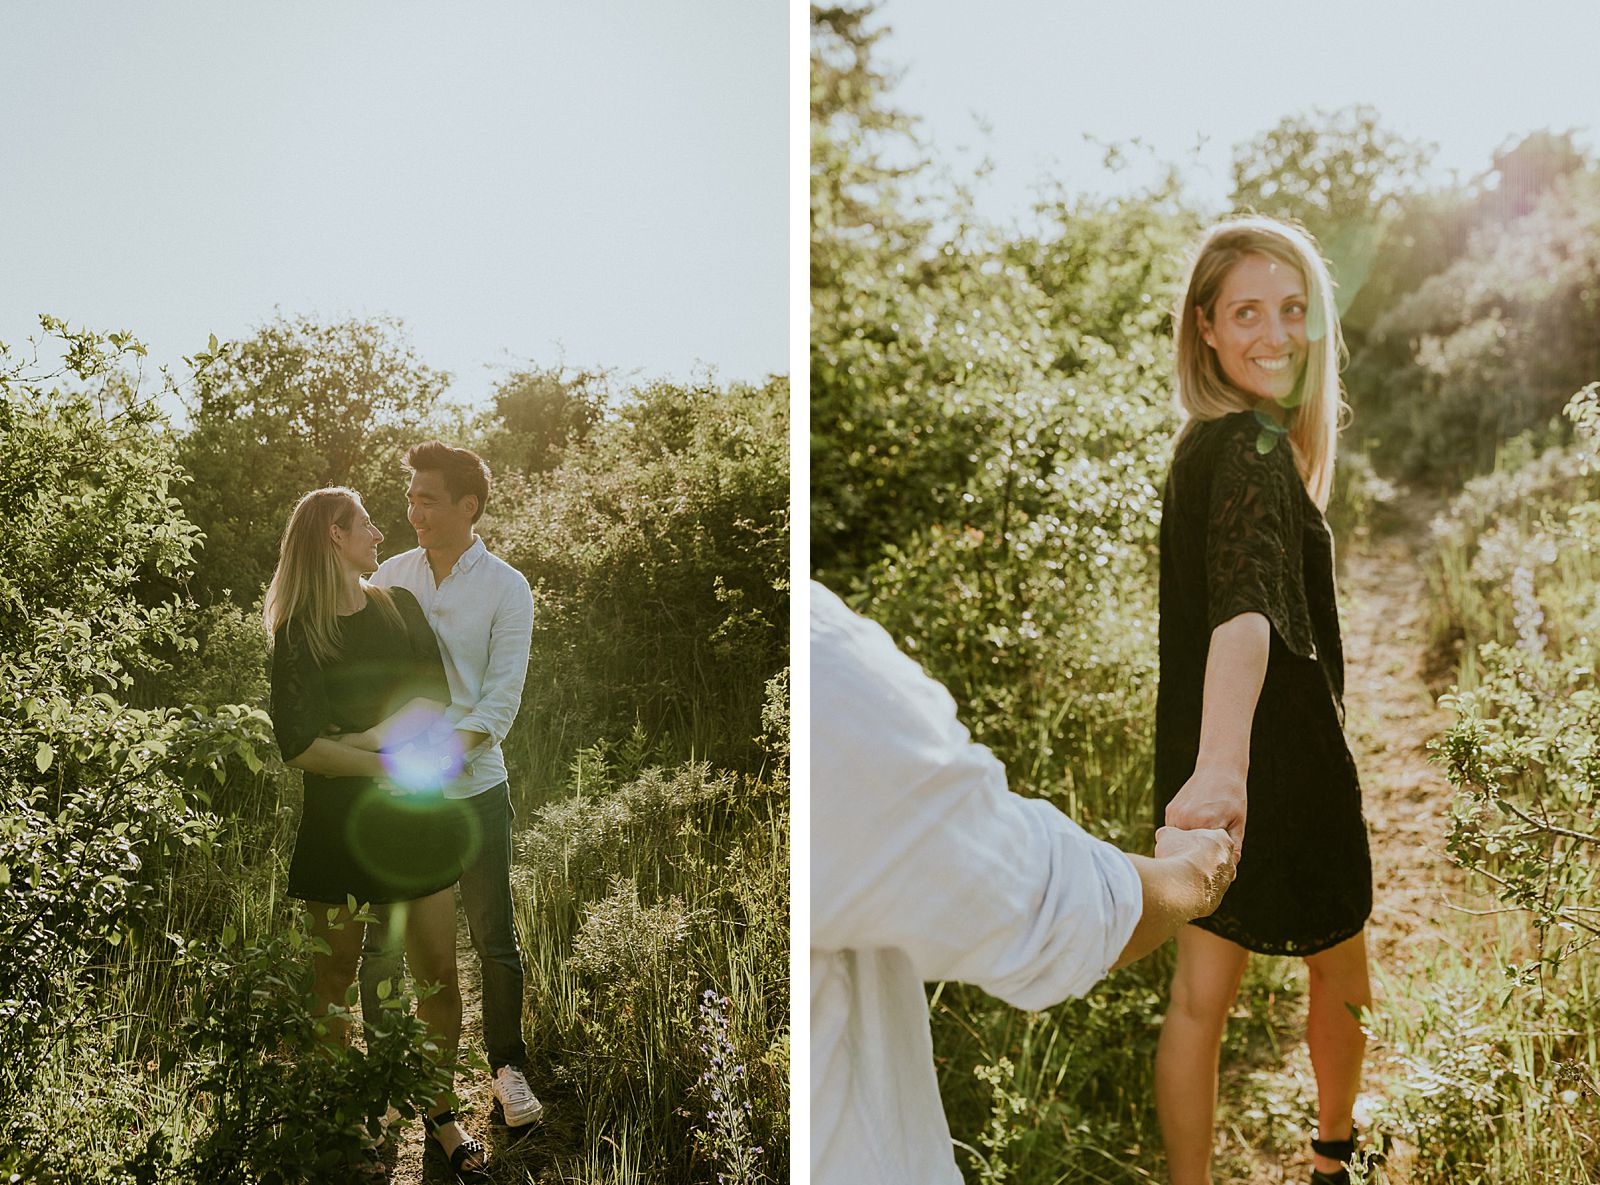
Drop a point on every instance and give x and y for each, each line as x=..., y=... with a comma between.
x=512, y=1159
x=1391, y=717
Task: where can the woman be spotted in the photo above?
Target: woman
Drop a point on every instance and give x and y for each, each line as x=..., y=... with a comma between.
x=356, y=668
x=1250, y=707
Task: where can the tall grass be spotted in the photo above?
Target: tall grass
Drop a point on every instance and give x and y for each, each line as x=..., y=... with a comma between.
x=635, y=896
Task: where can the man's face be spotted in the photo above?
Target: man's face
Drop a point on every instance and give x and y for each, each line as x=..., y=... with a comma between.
x=439, y=522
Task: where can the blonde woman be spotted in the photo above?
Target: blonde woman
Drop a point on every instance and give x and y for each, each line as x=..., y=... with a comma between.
x=1249, y=716
x=355, y=669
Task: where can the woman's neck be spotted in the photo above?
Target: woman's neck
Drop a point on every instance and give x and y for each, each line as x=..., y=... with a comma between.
x=352, y=598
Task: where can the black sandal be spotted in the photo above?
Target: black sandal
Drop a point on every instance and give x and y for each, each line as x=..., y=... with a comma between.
x=1343, y=1151
x=468, y=1147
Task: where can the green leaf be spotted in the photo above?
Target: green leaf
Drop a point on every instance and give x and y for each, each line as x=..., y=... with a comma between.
x=43, y=756
x=1268, y=423
x=211, y=347
x=385, y=988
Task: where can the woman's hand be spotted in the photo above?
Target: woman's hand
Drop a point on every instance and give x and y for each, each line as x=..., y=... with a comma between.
x=1212, y=797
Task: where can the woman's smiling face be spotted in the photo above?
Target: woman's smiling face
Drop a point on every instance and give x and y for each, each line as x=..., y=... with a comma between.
x=1258, y=327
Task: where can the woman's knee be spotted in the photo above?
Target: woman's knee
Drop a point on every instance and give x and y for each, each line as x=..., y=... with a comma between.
x=334, y=973
x=1342, y=969
x=1201, y=1002
x=433, y=968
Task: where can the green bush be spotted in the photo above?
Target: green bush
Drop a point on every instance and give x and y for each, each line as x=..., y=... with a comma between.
x=1493, y=344
x=114, y=868
x=1498, y=1073
x=658, y=553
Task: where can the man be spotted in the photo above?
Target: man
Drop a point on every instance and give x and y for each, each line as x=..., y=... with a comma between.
x=925, y=867
x=481, y=610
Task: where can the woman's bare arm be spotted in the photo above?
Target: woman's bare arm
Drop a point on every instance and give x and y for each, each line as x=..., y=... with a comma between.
x=1236, y=665
x=333, y=759
x=417, y=716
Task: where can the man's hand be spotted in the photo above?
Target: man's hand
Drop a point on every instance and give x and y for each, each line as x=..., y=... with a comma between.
x=1212, y=797
x=1210, y=852
x=1186, y=879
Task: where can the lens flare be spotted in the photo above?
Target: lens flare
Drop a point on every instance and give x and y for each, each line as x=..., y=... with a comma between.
x=412, y=842
x=431, y=756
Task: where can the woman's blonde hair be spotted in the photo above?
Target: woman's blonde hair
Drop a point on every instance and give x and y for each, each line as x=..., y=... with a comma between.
x=1204, y=392
x=306, y=585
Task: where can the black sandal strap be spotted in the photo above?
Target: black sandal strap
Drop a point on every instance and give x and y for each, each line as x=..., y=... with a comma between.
x=1341, y=1150
x=435, y=1122
x=468, y=1147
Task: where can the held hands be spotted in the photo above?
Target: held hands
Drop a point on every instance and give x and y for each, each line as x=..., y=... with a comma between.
x=1210, y=854
x=1212, y=797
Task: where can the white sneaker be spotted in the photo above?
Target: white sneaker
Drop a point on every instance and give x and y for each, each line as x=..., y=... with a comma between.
x=517, y=1101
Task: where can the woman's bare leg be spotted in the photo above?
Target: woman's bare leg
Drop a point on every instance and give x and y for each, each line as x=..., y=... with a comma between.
x=1339, y=982
x=1204, y=984
x=431, y=952
x=333, y=973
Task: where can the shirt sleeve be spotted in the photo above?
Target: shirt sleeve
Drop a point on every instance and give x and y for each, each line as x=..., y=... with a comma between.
x=917, y=843
x=298, y=703
x=510, y=639
x=1253, y=535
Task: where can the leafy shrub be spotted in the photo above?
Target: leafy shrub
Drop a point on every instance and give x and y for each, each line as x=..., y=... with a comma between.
x=1491, y=345
x=107, y=830
x=1499, y=1075
x=658, y=552
x=284, y=1104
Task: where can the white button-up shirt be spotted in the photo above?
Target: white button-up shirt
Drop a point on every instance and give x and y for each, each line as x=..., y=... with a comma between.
x=482, y=614
x=924, y=866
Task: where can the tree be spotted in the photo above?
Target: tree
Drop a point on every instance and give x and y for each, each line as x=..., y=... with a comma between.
x=538, y=413
x=298, y=406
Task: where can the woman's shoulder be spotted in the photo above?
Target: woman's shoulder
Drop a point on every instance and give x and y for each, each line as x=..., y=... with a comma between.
x=1248, y=440
x=1204, y=440
x=401, y=595
x=405, y=611
x=291, y=645
x=289, y=631
x=1229, y=427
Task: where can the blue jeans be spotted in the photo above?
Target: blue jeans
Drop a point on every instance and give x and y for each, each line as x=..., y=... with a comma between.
x=486, y=899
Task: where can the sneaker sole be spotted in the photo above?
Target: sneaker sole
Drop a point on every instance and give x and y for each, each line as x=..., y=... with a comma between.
x=499, y=1113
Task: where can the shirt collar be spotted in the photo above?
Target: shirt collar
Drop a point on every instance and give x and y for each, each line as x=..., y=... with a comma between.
x=465, y=562
x=469, y=558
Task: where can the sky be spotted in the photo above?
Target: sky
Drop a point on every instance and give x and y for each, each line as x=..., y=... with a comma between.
x=1466, y=75
x=603, y=184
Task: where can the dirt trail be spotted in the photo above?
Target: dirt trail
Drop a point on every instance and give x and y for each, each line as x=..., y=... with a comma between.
x=1391, y=717
x=511, y=1159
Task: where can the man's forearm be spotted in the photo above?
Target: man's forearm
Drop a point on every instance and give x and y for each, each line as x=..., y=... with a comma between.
x=1175, y=893
x=471, y=739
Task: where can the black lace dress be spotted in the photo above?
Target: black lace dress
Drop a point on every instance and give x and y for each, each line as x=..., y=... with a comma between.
x=357, y=837
x=1239, y=534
